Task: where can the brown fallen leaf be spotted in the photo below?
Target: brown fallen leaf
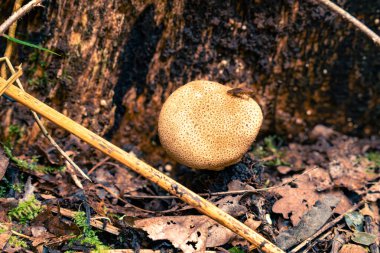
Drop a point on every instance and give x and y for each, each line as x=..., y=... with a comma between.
x=4, y=237
x=251, y=222
x=4, y=161
x=352, y=248
x=297, y=198
x=373, y=192
x=230, y=204
x=351, y=173
x=192, y=233
x=310, y=223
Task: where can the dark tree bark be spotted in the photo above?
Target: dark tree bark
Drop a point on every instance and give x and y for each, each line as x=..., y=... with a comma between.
x=123, y=58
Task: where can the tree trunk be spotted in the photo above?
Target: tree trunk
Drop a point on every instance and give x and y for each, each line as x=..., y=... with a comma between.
x=122, y=59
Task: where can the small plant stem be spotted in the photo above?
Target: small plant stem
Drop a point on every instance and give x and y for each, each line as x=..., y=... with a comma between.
x=362, y=27
x=12, y=33
x=19, y=14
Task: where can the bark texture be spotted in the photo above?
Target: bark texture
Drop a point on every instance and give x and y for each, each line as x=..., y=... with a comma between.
x=122, y=59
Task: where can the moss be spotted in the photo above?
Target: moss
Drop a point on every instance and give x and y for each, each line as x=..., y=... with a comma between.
x=17, y=187
x=2, y=229
x=374, y=157
x=3, y=191
x=16, y=242
x=14, y=131
x=30, y=165
x=26, y=210
x=88, y=235
x=270, y=147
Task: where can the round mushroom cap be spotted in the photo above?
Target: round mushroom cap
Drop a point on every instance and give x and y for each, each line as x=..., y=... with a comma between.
x=203, y=127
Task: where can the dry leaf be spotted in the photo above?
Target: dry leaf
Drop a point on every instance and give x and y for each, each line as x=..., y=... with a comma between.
x=344, y=203
x=236, y=185
x=230, y=204
x=4, y=237
x=310, y=223
x=299, y=196
x=296, y=199
x=367, y=211
x=189, y=233
x=251, y=222
x=352, y=248
x=351, y=173
x=373, y=192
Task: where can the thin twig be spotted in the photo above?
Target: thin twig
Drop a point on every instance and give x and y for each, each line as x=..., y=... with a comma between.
x=320, y=238
x=362, y=27
x=327, y=226
x=19, y=14
x=41, y=126
x=93, y=222
x=98, y=165
x=73, y=175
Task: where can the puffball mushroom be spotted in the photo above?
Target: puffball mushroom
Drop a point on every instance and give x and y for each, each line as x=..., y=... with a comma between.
x=203, y=126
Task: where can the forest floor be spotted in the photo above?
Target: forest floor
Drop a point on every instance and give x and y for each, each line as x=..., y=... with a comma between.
x=321, y=195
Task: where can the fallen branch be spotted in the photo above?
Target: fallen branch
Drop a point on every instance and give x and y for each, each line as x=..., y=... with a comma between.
x=19, y=14
x=362, y=27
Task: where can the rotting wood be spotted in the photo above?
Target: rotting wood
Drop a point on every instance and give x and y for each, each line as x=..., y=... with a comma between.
x=143, y=169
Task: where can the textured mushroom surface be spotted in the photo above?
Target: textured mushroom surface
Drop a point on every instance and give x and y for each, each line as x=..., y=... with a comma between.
x=203, y=127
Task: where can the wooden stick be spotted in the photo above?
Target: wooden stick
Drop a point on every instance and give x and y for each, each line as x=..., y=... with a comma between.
x=143, y=169
x=4, y=84
x=18, y=14
x=362, y=27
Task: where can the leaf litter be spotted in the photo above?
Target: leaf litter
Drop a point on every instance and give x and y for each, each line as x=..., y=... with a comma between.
x=313, y=182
